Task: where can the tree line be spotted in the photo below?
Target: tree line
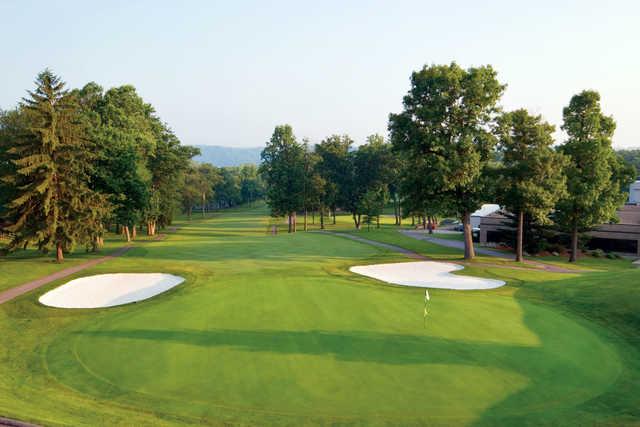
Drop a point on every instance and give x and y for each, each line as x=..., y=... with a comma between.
x=207, y=187
x=451, y=149
x=74, y=163
x=331, y=175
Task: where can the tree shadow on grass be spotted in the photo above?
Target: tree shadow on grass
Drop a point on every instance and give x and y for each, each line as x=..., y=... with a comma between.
x=351, y=346
x=573, y=399
x=555, y=383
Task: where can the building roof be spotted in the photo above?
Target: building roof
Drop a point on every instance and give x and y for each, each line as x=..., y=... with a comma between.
x=486, y=210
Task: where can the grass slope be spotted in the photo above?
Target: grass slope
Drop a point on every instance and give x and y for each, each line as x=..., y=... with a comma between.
x=274, y=330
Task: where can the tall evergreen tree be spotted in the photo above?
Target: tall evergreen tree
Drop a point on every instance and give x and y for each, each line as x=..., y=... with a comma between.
x=531, y=180
x=53, y=206
x=596, y=176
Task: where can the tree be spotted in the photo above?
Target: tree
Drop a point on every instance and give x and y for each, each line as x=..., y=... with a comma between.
x=595, y=174
x=283, y=171
x=313, y=183
x=531, y=179
x=125, y=131
x=446, y=119
x=632, y=157
x=53, y=205
x=228, y=191
x=419, y=196
x=335, y=168
x=211, y=177
x=195, y=188
x=251, y=185
x=168, y=166
x=373, y=165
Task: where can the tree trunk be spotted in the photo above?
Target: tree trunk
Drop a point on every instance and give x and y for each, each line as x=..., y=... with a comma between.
x=290, y=223
x=424, y=222
x=313, y=217
x=430, y=224
x=334, y=216
x=321, y=217
x=395, y=209
x=378, y=221
x=127, y=233
x=295, y=221
x=190, y=210
x=413, y=221
x=59, y=254
x=469, y=252
x=305, y=220
x=356, y=222
x=134, y=232
x=203, y=202
x=574, y=244
x=520, y=237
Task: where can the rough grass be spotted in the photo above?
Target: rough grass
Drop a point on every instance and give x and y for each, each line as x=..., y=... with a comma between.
x=274, y=330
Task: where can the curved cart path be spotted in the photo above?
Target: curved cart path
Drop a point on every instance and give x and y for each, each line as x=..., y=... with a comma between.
x=8, y=422
x=16, y=291
x=456, y=244
x=393, y=248
x=531, y=265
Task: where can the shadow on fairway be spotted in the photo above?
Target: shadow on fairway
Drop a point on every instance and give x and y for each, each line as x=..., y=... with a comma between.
x=394, y=349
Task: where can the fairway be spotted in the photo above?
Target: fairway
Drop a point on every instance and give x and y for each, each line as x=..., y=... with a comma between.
x=276, y=330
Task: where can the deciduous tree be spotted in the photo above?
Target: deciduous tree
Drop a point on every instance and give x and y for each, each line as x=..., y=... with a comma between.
x=447, y=117
x=595, y=174
x=531, y=179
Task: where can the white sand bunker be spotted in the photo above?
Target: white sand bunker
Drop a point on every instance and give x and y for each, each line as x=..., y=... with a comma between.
x=107, y=290
x=425, y=274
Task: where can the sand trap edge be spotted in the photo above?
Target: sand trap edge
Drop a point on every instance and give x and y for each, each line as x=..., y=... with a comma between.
x=109, y=290
x=437, y=276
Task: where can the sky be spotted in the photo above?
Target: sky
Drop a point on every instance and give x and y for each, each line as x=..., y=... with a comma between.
x=227, y=72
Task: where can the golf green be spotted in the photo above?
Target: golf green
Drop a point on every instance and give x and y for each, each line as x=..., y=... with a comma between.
x=276, y=330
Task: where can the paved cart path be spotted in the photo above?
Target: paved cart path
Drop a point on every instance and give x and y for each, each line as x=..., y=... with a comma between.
x=15, y=292
x=457, y=244
x=530, y=265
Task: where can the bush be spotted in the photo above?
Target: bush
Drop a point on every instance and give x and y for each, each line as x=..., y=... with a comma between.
x=597, y=253
x=611, y=255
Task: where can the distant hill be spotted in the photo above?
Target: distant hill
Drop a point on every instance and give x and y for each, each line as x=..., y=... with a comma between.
x=221, y=156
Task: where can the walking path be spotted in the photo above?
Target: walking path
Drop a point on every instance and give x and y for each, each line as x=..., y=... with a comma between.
x=15, y=292
x=457, y=244
x=12, y=293
x=394, y=248
x=8, y=422
x=531, y=265
x=486, y=251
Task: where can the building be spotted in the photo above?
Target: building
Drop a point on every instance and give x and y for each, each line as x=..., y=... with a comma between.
x=623, y=236
x=484, y=211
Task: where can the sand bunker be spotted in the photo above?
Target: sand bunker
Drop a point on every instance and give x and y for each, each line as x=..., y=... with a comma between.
x=425, y=274
x=107, y=290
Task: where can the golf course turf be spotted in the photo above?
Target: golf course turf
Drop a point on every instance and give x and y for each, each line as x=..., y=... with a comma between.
x=274, y=330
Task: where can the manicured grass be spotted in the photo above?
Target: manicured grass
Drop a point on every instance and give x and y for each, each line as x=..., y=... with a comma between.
x=274, y=330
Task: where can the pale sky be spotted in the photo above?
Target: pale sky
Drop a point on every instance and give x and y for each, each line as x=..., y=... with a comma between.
x=227, y=72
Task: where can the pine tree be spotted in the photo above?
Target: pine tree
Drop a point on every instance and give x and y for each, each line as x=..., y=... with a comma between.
x=53, y=206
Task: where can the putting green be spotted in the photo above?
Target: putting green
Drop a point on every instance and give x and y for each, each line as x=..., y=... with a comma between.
x=276, y=330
